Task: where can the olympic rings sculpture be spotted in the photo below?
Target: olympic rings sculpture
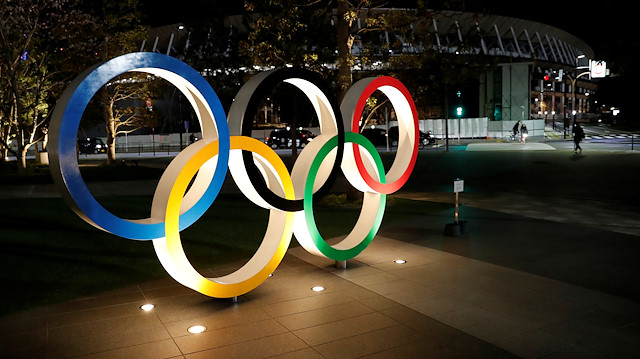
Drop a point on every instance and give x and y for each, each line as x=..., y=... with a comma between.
x=193, y=179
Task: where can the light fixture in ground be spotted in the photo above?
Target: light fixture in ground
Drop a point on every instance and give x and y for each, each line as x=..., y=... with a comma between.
x=317, y=288
x=400, y=261
x=147, y=307
x=197, y=329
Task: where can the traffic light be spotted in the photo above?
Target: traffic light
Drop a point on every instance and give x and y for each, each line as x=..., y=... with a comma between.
x=459, y=111
x=545, y=75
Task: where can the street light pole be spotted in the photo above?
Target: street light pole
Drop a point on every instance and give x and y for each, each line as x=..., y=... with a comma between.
x=573, y=94
x=574, y=80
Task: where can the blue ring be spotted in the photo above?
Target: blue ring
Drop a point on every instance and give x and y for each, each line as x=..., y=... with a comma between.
x=89, y=84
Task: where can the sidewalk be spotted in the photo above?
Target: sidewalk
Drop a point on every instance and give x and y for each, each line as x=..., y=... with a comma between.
x=536, y=277
x=483, y=295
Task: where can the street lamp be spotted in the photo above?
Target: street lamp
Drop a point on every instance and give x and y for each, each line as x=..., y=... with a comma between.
x=574, y=79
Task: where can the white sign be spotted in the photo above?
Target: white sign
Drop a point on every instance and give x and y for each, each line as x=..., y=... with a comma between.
x=458, y=186
x=598, y=68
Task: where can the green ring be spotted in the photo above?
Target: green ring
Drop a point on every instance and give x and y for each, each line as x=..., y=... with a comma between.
x=317, y=239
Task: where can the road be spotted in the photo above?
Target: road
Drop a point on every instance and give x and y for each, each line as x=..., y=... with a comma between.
x=608, y=134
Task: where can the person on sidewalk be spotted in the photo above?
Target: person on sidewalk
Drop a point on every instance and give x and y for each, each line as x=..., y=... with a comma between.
x=578, y=135
x=523, y=133
x=515, y=129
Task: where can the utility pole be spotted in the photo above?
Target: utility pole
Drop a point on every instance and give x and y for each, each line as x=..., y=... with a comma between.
x=446, y=117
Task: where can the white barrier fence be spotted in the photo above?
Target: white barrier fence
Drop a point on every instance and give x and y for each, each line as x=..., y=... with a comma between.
x=161, y=141
x=132, y=142
x=477, y=127
x=458, y=128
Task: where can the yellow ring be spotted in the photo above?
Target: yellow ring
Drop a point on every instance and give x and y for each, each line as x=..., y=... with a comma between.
x=259, y=267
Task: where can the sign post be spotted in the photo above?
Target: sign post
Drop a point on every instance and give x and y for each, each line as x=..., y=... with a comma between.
x=456, y=228
x=458, y=186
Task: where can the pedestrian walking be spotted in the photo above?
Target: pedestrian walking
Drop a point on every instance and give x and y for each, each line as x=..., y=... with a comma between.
x=578, y=135
x=523, y=133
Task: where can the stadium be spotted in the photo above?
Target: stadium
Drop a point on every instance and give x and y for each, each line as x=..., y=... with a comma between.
x=542, y=75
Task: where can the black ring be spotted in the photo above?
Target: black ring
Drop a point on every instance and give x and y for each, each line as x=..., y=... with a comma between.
x=270, y=80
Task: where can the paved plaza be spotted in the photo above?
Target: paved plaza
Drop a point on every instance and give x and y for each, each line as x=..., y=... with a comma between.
x=533, y=278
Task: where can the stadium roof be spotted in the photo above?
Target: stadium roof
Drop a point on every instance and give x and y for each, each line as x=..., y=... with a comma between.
x=513, y=37
x=492, y=35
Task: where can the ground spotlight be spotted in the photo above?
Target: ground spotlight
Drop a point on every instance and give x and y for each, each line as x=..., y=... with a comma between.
x=197, y=329
x=147, y=307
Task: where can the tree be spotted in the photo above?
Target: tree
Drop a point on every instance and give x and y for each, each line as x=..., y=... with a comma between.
x=127, y=109
x=354, y=19
x=395, y=42
x=120, y=31
x=372, y=106
x=35, y=36
x=290, y=32
x=6, y=117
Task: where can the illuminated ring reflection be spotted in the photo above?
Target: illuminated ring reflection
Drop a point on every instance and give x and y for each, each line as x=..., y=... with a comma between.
x=269, y=254
x=64, y=128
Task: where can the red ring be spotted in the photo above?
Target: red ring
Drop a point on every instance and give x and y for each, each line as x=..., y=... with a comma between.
x=384, y=188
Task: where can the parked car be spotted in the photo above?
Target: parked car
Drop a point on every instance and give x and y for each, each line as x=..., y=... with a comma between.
x=281, y=138
x=377, y=136
x=425, y=138
x=91, y=145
